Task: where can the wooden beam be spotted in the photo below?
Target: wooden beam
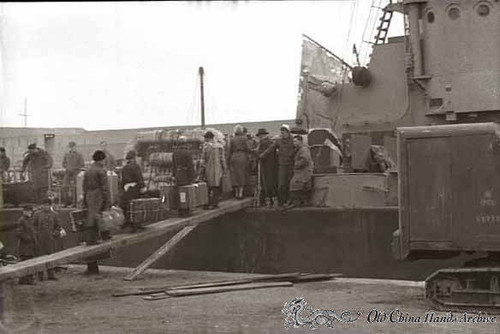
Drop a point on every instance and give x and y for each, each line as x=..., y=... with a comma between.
x=160, y=252
x=217, y=289
x=160, y=228
x=159, y=289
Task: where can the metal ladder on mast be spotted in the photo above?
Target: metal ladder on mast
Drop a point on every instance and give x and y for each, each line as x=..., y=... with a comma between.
x=385, y=22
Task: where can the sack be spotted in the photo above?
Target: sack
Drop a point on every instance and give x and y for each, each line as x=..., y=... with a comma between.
x=111, y=220
x=105, y=222
x=118, y=216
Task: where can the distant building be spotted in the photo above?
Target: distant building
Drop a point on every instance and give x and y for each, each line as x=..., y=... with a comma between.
x=55, y=140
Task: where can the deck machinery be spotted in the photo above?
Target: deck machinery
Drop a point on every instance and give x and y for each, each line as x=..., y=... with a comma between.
x=432, y=98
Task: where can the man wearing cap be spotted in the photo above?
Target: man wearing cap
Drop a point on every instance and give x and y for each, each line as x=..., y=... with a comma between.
x=26, y=240
x=4, y=164
x=95, y=193
x=133, y=184
x=268, y=169
x=72, y=163
x=38, y=164
x=213, y=166
x=284, y=146
x=109, y=162
x=47, y=228
x=301, y=183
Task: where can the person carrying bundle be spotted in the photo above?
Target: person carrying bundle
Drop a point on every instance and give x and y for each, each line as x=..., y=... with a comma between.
x=95, y=192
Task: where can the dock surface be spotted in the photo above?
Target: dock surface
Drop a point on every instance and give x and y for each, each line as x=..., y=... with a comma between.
x=81, y=304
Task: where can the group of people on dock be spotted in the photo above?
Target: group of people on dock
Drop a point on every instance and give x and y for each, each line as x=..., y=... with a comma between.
x=283, y=166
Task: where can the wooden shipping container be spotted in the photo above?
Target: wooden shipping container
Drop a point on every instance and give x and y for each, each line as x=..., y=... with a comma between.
x=449, y=188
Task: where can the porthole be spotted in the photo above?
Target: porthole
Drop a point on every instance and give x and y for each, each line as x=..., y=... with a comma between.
x=483, y=10
x=454, y=13
x=430, y=17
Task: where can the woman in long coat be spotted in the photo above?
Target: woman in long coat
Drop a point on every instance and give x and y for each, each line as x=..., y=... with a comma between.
x=301, y=182
x=213, y=166
x=268, y=169
x=239, y=150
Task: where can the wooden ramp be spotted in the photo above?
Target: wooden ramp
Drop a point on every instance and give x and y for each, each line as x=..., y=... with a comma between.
x=42, y=263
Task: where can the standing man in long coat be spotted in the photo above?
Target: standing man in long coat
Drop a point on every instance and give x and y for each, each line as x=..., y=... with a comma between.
x=239, y=163
x=47, y=228
x=268, y=169
x=26, y=241
x=213, y=167
x=133, y=184
x=95, y=191
x=284, y=147
x=72, y=163
x=4, y=165
x=38, y=163
x=301, y=183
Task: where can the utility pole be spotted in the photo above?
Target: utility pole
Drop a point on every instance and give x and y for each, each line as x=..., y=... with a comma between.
x=25, y=113
x=202, y=73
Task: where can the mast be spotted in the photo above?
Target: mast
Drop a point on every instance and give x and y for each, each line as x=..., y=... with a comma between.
x=202, y=73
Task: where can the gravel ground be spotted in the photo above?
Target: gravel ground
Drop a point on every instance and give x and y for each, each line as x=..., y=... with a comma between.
x=84, y=304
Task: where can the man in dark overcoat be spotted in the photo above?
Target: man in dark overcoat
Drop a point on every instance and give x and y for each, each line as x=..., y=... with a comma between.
x=38, y=164
x=26, y=241
x=268, y=169
x=47, y=229
x=96, y=200
x=182, y=169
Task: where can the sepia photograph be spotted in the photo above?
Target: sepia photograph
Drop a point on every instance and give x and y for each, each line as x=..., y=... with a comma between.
x=327, y=166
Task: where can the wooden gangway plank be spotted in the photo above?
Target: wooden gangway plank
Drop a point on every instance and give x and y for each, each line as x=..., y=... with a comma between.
x=81, y=252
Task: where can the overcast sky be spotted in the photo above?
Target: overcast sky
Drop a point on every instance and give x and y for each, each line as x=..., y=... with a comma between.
x=126, y=65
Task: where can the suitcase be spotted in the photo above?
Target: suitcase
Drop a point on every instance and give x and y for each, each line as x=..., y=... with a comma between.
x=168, y=197
x=163, y=211
x=78, y=220
x=144, y=210
x=187, y=197
x=226, y=183
x=201, y=194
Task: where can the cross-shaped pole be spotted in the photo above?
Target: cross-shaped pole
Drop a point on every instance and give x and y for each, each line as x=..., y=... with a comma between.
x=25, y=113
